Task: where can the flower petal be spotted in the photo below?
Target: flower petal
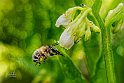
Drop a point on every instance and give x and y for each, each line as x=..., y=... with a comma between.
x=62, y=20
x=66, y=40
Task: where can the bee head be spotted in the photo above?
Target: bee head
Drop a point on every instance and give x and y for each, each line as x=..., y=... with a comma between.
x=36, y=57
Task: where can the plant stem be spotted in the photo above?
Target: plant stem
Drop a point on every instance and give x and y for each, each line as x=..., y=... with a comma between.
x=108, y=55
x=107, y=50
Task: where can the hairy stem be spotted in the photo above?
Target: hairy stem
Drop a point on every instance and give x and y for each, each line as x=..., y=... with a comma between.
x=107, y=50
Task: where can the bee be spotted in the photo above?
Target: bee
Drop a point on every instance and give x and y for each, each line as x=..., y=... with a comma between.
x=41, y=54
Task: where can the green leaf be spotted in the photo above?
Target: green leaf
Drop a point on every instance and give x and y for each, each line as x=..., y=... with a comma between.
x=95, y=9
x=96, y=6
x=95, y=60
x=72, y=74
x=100, y=72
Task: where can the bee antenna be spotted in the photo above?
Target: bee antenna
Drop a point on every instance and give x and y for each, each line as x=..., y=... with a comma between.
x=39, y=64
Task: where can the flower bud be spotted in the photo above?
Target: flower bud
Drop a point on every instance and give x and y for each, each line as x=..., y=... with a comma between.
x=115, y=14
x=93, y=26
x=87, y=34
x=96, y=29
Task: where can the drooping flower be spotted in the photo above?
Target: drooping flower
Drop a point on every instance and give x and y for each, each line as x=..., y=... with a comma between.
x=66, y=40
x=75, y=27
x=62, y=20
x=115, y=14
x=115, y=18
x=66, y=18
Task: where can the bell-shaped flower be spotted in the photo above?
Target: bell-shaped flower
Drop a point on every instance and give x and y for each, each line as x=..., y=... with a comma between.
x=66, y=18
x=62, y=20
x=66, y=40
x=78, y=27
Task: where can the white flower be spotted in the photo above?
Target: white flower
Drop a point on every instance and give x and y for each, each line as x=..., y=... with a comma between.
x=75, y=28
x=66, y=18
x=66, y=40
x=74, y=31
x=62, y=20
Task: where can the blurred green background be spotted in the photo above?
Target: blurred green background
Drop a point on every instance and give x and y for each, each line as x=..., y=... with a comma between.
x=25, y=25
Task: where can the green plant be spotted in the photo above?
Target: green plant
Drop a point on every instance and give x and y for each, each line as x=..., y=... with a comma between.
x=26, y=25
x=87, y=20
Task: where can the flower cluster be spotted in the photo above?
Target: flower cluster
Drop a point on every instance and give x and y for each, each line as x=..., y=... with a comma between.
x=76, y=26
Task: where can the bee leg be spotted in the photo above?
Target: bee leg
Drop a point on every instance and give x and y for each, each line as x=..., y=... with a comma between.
x=57, y=52
x=45, y=59
x=61, y=54
x=39, y=63
x=52, y=54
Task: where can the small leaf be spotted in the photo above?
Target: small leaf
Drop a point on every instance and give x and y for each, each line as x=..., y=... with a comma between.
x=95, y=61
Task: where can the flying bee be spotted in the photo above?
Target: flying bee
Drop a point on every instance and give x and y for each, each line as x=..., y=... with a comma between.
x=41, y=54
